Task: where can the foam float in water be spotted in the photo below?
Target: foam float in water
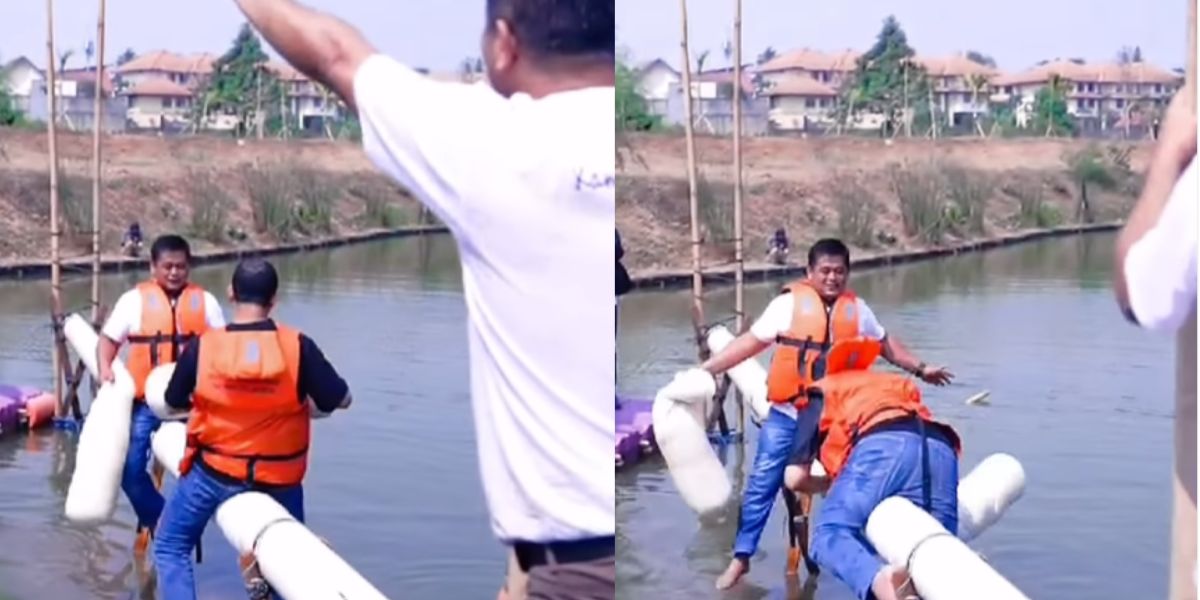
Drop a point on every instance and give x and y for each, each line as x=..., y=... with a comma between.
x=104, y=440
x=941, y=565
x=680, y=429
x=297, y=564
x=749, y=377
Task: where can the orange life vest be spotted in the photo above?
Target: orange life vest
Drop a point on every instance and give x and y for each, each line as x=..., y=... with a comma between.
x=248, y=421
x=857, y=400
x=799, y=357
x=163, y=330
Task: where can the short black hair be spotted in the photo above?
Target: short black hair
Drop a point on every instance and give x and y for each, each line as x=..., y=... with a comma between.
x=255, y=282
x=169, y=243
x=828, y=247
x=559, y=28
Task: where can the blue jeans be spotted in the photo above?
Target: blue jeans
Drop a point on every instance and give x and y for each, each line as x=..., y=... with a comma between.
x=135, y=479
x=194, y=502
x=778, y=439
x=881, y=465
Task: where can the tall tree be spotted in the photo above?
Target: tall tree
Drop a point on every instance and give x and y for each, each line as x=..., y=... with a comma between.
x=241, y=83
x=981, y=58
x=887, y=81
x=766, y=55
x=127, y=56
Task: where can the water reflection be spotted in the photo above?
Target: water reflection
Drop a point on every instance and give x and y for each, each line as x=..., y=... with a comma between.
x=393, y=483
x=1081, y=398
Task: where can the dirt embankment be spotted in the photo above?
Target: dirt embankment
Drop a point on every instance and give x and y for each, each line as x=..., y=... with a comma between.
x=881, y=198
x=217, y=192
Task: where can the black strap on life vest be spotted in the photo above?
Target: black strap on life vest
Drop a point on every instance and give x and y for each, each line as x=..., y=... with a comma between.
x=251, y=459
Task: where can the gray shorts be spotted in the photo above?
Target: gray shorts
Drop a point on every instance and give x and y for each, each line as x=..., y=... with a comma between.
x=585, y=570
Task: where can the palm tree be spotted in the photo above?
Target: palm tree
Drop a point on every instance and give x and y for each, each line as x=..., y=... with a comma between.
x=978, y=82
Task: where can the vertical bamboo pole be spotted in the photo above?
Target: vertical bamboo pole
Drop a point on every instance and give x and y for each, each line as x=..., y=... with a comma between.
x=97, y=120
x=739, y=305
x=55, y=230
x=693, y=199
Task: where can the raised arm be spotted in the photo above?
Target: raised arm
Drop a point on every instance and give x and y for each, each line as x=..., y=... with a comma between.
x=319, y=45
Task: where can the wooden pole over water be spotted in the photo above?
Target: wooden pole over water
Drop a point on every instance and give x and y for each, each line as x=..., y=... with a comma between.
x=56, y=354
x=693, y=199
x=739, y=305
x=97, y=121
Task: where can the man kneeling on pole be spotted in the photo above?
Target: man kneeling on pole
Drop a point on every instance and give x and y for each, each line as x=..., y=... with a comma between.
x=248, y=386
x=876, y=439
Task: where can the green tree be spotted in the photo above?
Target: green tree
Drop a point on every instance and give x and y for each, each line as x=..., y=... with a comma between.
x=766, y=55
x=9, y=115
x=887, y=81
x=241, y=84
x=633, y=114
x=1050, y=113
x=981, y=58
x=127, y=56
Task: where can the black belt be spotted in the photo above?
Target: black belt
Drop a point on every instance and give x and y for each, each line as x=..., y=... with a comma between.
x=535, y=554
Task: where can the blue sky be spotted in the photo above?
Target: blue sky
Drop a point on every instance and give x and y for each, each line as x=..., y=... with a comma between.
x=1017, y=33
x=435, y=34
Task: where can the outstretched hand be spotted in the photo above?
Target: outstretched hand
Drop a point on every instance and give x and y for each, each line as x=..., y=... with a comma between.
x=936, y=375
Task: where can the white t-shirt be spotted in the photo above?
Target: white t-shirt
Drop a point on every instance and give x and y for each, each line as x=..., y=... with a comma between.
x=776, y=320
x=1160, y=268
x=125, y=319
x=527, y=188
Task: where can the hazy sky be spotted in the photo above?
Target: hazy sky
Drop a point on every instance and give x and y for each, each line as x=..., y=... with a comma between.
x=1017, y=33
x=423, y=33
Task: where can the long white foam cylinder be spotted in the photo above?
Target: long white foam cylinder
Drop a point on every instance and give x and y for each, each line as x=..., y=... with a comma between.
x=941, y=566
x=986, y=493
x=104, y=439
x=748, y=376
x=298, y=565
x=156, y=396
x=679, y=414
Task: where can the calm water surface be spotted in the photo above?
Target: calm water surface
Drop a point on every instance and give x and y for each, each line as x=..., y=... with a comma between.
x=393, y=482
x=1081, y=398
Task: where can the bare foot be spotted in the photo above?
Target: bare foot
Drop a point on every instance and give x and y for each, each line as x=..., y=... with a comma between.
x=889, y=583
x=733, y=573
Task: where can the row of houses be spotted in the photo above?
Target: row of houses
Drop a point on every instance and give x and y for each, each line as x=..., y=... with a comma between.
x=160, y=91
x=799, y=91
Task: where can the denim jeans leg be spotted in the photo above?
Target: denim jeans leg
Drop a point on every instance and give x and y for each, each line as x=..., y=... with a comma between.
x=943, y=476
x=135, y=479
x=839, y=542
x=196, y=498
x=775, y=442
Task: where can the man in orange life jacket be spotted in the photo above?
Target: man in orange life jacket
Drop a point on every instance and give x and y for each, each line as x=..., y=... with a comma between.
x=248, y=387
x=158, y=318
x=804, y=321
x=876, y=439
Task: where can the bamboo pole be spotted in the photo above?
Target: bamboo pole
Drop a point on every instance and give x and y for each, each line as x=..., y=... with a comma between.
x=739, y=303
x=97, y=120
x=57, y=357
x=693, y=197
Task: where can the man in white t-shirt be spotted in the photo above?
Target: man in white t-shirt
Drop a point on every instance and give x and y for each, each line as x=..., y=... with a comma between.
x=1155, y=282
x=157, y=319
x=786, y=430
x=522, y=172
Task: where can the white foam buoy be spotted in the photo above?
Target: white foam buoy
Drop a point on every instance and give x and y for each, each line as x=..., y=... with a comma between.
x=986, y=493
x=156, y=393
x=680, y=431
x=749, y=376
x=104, y=439
x=297, y=564
x=942, y=567
x=980, y=399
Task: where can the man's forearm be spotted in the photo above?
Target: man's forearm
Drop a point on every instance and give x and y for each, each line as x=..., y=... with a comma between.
x=899, y=355
x=740, y=349
x=106, y=352
x=319, y=45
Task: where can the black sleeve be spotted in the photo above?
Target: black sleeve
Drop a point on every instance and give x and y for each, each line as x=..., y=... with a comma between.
x=318, y=379
x=183, y=381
